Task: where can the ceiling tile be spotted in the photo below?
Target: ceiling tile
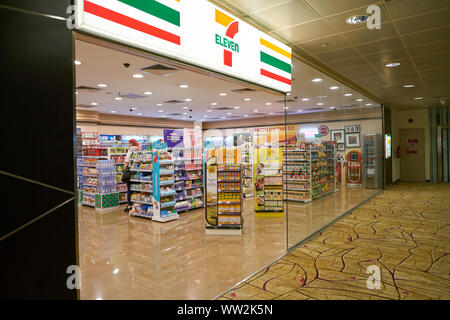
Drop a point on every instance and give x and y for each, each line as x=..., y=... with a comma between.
x=325, y=7
x=436, y=75
x=250, y=6
x=423, y=22
x=430, y=48
x=343, y=64
x=307, y=31
x=365, y=35
x=441, y=56
x=385, y=57
x=380, y=46
x=404, y=8
x=433, y=65
x=340, y=54
x=338, y=21
x=427, y=36
x=286, y=15
x=314, y=46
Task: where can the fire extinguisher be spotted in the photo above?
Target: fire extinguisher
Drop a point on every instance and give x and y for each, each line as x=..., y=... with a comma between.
x=398, y=151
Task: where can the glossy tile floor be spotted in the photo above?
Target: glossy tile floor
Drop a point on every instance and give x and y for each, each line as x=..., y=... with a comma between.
x=404, y=231
x=134, y=258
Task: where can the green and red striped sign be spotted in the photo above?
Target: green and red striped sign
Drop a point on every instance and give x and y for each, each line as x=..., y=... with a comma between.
x=275, y=62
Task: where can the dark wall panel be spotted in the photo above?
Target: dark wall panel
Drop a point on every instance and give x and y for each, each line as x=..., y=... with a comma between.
x=38, y=140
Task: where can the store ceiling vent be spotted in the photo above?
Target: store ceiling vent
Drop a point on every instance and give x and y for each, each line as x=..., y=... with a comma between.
x=287, y=101
x=314, y=109
x=223, y=108
x=175, y=114
x=159, y=69
x=132, y=96
x=244, y=90
x=87, y=88
x=258, y=114
x=214, y=118
x=173, y=101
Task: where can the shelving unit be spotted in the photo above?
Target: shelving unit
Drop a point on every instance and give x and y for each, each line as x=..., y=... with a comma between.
x=141, y=184
x=118, y=154
x=188, y=178
x=309, y=171
x=224, y=193
x=163, y=184
x=91, y=155
x=268, y=182
x=247, y=167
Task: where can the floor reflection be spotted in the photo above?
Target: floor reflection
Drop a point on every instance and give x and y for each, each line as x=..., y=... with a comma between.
x=134, y=258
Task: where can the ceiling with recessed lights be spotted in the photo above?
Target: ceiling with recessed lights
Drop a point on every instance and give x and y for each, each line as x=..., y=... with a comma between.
x=414, y=33
x=149, y=89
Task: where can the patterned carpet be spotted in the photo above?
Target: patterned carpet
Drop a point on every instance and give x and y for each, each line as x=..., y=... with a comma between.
x=405, y=231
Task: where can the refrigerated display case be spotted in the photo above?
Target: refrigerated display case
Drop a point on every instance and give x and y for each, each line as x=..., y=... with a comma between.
x=372, y=153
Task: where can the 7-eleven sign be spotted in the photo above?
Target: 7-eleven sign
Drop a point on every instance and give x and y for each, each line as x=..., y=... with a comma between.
x=226, y=41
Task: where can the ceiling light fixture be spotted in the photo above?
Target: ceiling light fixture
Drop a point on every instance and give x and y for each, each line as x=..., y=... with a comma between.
x=118, y=98
x=222, y=94
x=409, y=86
x=245, y=115
x=270, y=113
x=159, y=104
x=288, y=94
x=393, y=64
x=305, y=99
x=359, y=100
x=256, y=110
x=268, y=103
x=188, y=99
x=334, y=88
x=148, y=93
x=185, y=113
x=348, y=95
x=332, y=107
x=94, y=104
x=77, y=63
x=299, y=110
x=214, y=104
x=76, y=92
x=418, y=98
x=133, y=108
x=316, y=80
x=247, y=99
x=139, y=114
x=285, y=108
x=160, y=110
x=236, y=107
x=205, y=116
x=229, y=113
x=320, y=104
x=184, y=86
x=102, y=85
x=368, y=104
x=356, y=19
x=113, y=111
x=138, y=76
x=185, y=108
x=208, y=110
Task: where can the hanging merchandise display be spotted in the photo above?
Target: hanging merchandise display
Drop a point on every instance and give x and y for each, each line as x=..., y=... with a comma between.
x=268, y=182
x=163, y=183
x=354, y=168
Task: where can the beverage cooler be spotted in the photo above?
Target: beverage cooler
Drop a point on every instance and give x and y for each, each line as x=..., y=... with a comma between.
x=372, y=158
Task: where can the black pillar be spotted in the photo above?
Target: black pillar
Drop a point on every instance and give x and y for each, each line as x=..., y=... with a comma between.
x=38, y=228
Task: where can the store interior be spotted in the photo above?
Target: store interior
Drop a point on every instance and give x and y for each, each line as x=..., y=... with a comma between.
x=228, y=176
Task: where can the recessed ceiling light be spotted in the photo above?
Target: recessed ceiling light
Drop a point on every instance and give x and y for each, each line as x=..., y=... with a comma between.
x=255, y=110
x=208, y=110
x=334, y=88
x=229, y=113
x=188, y=99
x=148, y=93
x=163, y=116
x=299, y=110
x=316, y=80
x=393, y=64
x=270, y=113
x=102, y=85
x=76, y=92
x=332, y=107
x=324, y=45
x=214, y=104
x=245, y=115
x=94, y=104
x=268, y=103
x=320, y=104
x=288, y=94
x=139, y=114
x=184, y=86
x=116, y=271
x=285, y=108
x=222, y=94
x=138, y=76
x=205, y=116
x=236, y=107
x=359, y=100
x=222, y=117
x=185, y=108
x=356, y=19
x=113, y=111
x=159, y=104
x=247, y=99
x=185, y=113
x=118, y=98
x=160, y=110
x=305, y=99
x=418, y=98
x=409, y=86
x=133, y=108
x=77, y=62
x=368, y=104
x=184, y=118
x=348, y=95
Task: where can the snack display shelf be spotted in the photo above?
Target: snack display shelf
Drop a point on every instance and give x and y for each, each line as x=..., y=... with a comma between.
x=141, y=202
x=140, y=180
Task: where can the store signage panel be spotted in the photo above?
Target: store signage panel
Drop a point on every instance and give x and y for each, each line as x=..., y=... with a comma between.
x=194, y=31
x=388, y=146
